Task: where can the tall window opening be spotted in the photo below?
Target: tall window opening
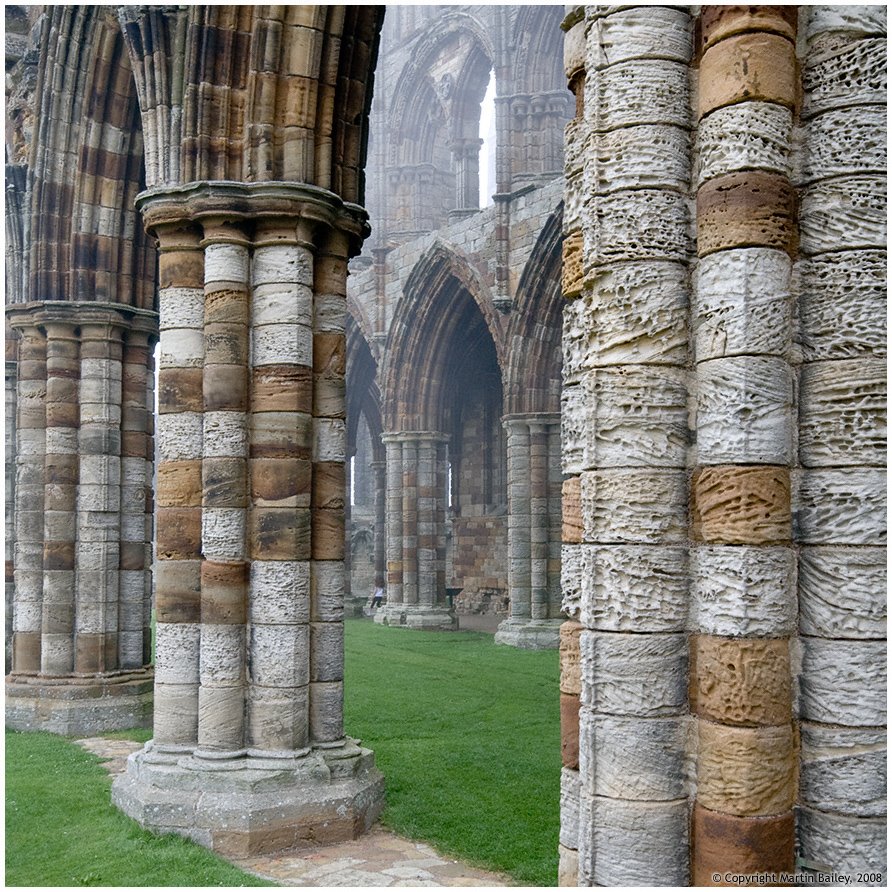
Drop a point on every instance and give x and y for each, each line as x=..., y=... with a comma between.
x=488, y=144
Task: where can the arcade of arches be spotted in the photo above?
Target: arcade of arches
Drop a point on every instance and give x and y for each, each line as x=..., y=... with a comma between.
x=634, y=406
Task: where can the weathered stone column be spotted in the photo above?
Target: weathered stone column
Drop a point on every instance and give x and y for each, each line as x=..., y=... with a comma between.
x=254, y=756
x=625, y=432
x=393, y=533
x=743, y=606
x=840, y=524
x=379, y=470
x=11, y=375
x=533, y=532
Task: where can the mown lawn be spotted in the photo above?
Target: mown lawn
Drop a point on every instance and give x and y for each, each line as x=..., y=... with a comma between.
x=467, y=734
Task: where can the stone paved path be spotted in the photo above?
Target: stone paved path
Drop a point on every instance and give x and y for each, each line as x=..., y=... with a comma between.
x=379, y=858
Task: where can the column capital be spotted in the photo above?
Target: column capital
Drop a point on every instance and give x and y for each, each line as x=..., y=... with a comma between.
x=81, y=314
x=530, y=418
x=414, y=437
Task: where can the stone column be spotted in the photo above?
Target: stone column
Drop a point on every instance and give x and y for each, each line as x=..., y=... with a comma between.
x=393, y=531
x=625, y=441
x=253, y=755
x=379, y=470
x=841, y=528
x=12, y=345
x=743, y=606
x=533, y=533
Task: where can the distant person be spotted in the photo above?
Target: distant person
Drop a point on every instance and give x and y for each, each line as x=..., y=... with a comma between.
x=378, y=597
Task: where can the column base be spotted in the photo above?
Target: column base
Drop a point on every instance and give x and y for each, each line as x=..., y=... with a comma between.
x=80, y=706
x=427, y=619
x=252, y=804
x=530, y=634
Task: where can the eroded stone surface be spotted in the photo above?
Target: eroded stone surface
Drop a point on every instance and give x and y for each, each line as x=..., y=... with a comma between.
x=841, y=507
x=844, y=844
x=843, y=213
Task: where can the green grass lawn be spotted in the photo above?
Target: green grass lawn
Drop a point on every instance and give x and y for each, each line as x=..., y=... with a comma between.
x=467, y=734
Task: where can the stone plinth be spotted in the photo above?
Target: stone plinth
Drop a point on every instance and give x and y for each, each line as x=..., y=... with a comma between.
x=530, y=634
x=427, y=619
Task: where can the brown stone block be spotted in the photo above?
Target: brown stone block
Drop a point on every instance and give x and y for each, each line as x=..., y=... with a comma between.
x=181, y=269
x=58, y=555
x=741, y=681
x=571, y=509
x=225, y=387
x=572, y=272
x=728, y=844
x=224, y=592
x=26, y=652
x=571, y=678
x=224, y=483
x=95, y=651
x=61, y=470
x=281, y=435
x=753, y=208
x=179, y=484
x=746, y=771
x=62, y=414
x=328, y=534
x=180, y=390
x=329, y=397
x=179, y=533
x=95, y=348
x=226, y=343
x=134, y=444
x=282, y=388
x=570, y=730
x=719, y=22
x=178, y=591
x=281, y=482
x=748, y=67
x=226, y=305
x=133, y=556
x=329, y=354
x=280, y=534
x=329, y=484
x=734, y=505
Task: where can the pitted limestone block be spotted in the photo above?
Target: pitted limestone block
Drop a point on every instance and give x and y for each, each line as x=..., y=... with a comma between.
x=719, y=22
x=639, y=843
x=649, y=156
x=752, y=208
x=746, y=771
x=179, y=436
x=225, y=434
x=92, y=618
x=728, y=844
x=842, y=592
x=280, y=592
x=280, y=655
x=223, y=533
x=634, y=675
x=838, y=143
x=735, y=505
x=176, y=713
x=224, y=482
x=327, y=587
x=845, y=212
x=569, y=807
x=572, y=569
x=181, y=348
x=278, y=718
x=281, y=344
x=636, y=224
x=640, y=33
x=272, y=303
x=634, y=588
x=744, y=409
x=638, y=92
x=843, y=682
x=279, y=534
x=273, y=264
x=177, y=647
x=222, y=657
x=843, y=21
x=571, y=265
x=743, y=591
x=327, y=651
x=743, y=303
x=747, y=67
x=846, y=507
x=746, y=136
x=571, y=681
x=226, y=263
x=843, y=770
x=634, y=506
x=575, y=407
x=27, y=617
x=327, y=710
x=570, y=730
x=741, y=681
x=329, y=440
x=574, y=50
x=221, y=716
x=633, y=758
x=61, y=441
x=845, y=844
x=849, y=73
x=843, y=413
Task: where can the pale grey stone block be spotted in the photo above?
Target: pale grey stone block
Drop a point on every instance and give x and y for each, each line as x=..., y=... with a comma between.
x=105, y=414
x=845, y=212
x=181, y=348
x=845, y=507
x=618, y=35
x=223, y=533
x=327, y=589
x=857, y=20
x=327, y=651
x=842, y=592
x=280, y=592
x=100, y=470
x=30, y=442
x=280, y=655
x=177, y=647
x=98, y=497
x=840, y=143
x=843, y=844
x=570, y=786
x=650, y=156
x=572, y=579
x=327, y=710
x=222, y=657
x=61, y=440
x=130, y=644
x=638, y=92
x=226, y=263
x=329, y=312
x=273, y=264
x=27, y=615
x=843, y=73
x=225, y=434
x=273, y=303
x=180, y=308
x=282, y=343
x=179, y=436
x=329, y=439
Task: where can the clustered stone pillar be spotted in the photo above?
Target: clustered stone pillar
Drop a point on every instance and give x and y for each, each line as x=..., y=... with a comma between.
x=534, y=479
x=416, y=532
x=743, y=602
x=625, y=441
x=841, y=531
x=81, y=613
x=249, y=751
x=379, y=469
x=9, y=506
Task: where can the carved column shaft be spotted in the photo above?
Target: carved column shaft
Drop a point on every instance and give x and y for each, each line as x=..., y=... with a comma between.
x=379, y=469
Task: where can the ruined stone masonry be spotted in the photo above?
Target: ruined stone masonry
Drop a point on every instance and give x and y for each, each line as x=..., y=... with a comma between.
x=633, y=402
